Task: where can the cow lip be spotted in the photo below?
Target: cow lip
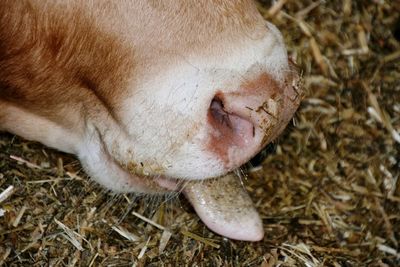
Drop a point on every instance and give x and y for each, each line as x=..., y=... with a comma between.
x=142, y=182
x=159, y=183
x=234, y=220
x=167, y=183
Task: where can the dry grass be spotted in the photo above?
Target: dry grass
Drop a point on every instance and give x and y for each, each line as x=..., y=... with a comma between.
x=329, y=195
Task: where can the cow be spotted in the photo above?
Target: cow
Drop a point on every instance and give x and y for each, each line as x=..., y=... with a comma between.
x=147, y=94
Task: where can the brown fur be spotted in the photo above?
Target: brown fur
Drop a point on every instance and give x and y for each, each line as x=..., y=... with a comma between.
x=110, y=80
x=57, y=60
x=56, y=57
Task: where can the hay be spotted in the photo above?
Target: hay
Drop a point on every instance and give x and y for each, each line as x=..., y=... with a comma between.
x=329, y=194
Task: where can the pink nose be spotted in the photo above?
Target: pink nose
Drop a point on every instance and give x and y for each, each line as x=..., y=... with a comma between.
x=244, y=121
x=230, y=126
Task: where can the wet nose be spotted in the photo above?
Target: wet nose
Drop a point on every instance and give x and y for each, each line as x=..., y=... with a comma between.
x=243, y=121
x=231, y=128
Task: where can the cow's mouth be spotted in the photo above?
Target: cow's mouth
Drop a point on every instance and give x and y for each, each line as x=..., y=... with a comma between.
x=244, y=124
x=221, y=203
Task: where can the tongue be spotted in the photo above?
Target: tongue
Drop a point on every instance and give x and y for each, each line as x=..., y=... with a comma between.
x=225, y=207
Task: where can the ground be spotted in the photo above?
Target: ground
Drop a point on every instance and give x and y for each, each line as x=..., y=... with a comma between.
x=328, y=191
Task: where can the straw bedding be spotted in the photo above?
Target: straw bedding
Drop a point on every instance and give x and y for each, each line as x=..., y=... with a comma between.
x=328, y=190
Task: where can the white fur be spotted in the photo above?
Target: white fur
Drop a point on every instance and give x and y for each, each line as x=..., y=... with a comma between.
x=165, y=119
x=162, y=127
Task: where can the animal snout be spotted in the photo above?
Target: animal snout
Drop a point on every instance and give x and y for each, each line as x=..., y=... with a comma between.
x=244, y=121
x=231, y=126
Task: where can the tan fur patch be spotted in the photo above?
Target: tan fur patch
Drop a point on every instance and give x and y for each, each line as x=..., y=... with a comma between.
x=52, y=60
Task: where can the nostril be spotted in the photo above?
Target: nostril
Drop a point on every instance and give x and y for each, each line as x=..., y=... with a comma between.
x=232, y=134
x=219, y=114
x=231, y=128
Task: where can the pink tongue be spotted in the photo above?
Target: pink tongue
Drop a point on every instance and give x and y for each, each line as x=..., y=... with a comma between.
x=225, y=207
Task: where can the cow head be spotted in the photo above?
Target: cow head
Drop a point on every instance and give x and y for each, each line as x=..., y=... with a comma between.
x=145, y=92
